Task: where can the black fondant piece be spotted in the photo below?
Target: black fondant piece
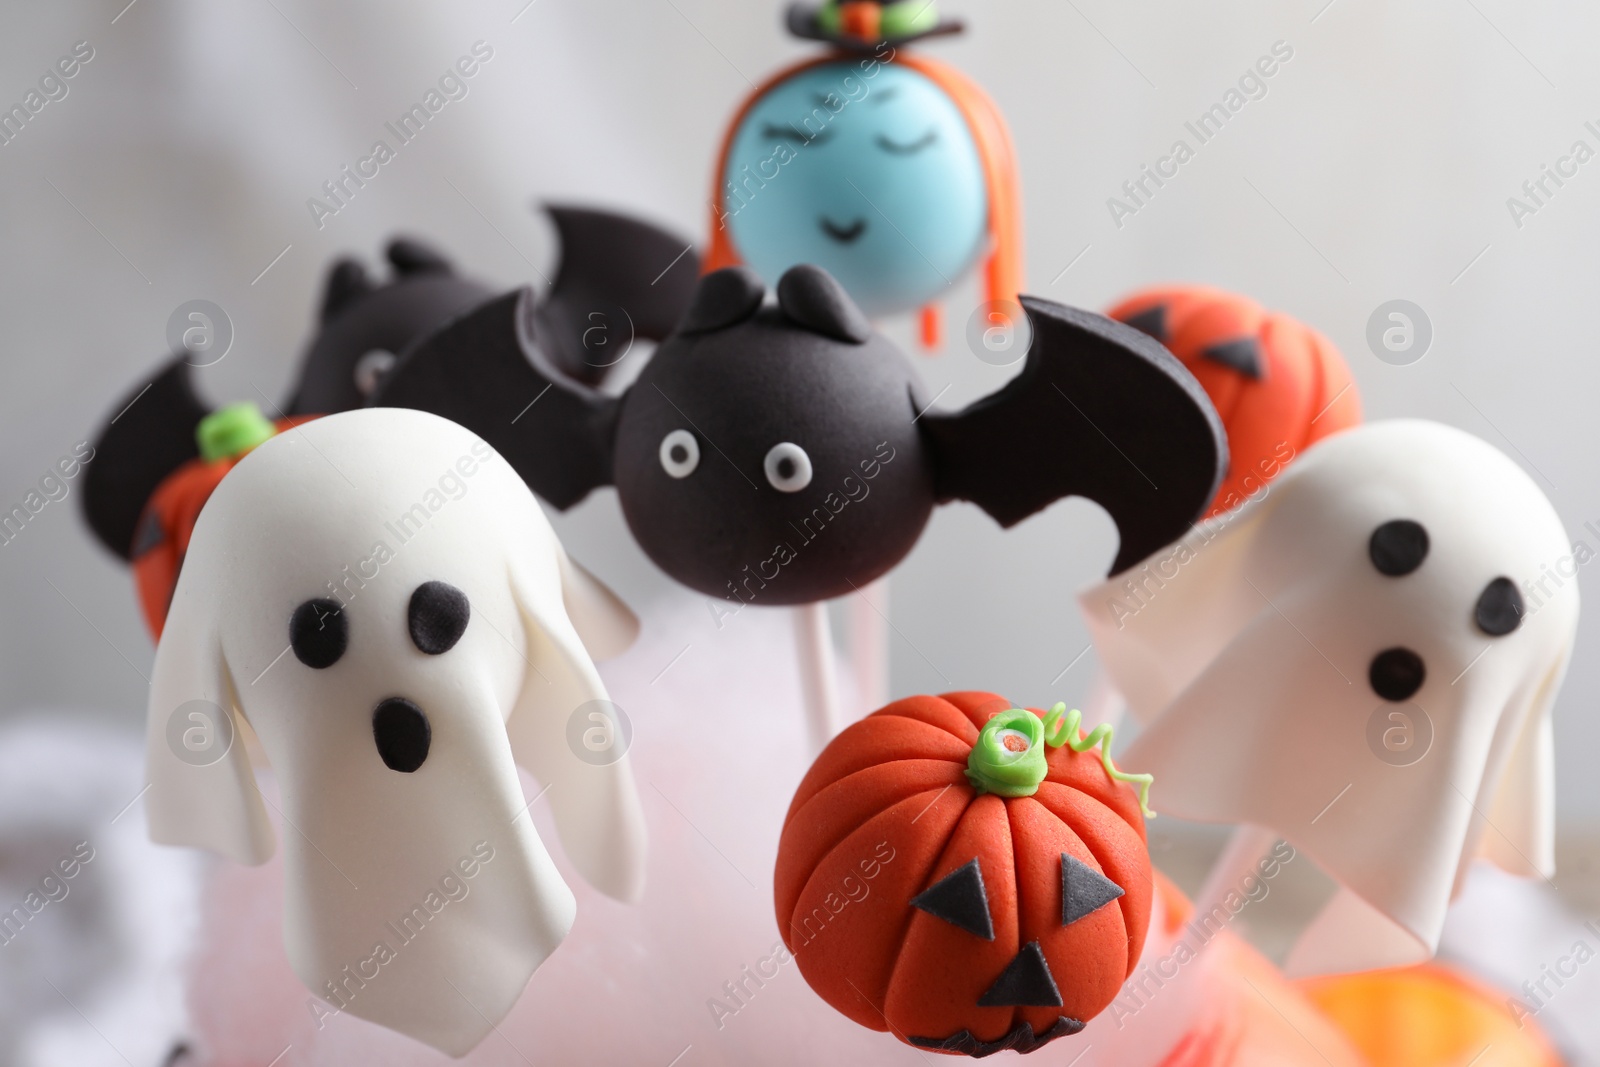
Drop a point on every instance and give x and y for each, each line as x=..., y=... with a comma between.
x=402, y=734
x=960, y=899
x=1243, y=355
x=747, y=378
x=1025, y=983
x=409, y=256
x=620, y=279
x=1398, y=547
x=1020, y=1039
x=723, y=298
x=811, y=298
x=319, y=633
x=150, y=535
x=1083, y=889
x=1499, y=609
x=1152, y=320
x=148, y=435
x=486, y=372
x=437, y=617
x=1396, y=674
x=1101, y=411
x=347, y=282
x=359, y=317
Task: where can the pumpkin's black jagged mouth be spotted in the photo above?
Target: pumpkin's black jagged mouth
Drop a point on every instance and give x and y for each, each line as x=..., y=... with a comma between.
x=1020, y=1038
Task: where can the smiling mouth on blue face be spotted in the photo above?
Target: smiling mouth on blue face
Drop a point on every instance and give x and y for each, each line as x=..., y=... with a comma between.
x=843, y=234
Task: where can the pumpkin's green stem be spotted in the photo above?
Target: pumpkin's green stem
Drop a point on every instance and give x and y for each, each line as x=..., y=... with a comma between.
x=230, y=432
x=1009, y=758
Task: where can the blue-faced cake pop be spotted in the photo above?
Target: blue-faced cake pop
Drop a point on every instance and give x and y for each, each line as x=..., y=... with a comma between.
x=892, y=172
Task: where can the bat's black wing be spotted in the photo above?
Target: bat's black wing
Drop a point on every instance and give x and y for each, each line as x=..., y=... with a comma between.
x=619, y=279
x=148, y=435
x=1101, y=411
x=488, y=371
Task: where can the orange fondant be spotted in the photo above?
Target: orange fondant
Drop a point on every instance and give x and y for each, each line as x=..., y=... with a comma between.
x=1430, y=1016
x=931, y=327
x=861, y=19
x=1304, y=394
x=886, y=811
x=175, y=505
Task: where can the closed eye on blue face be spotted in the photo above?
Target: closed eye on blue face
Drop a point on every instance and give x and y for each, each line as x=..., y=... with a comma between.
x=893, y=147
x=877, y=180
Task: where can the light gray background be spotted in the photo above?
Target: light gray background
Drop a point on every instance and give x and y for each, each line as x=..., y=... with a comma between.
x=1377, y=167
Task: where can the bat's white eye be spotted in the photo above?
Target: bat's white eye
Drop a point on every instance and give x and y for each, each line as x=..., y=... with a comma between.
x=788, y=468
x=680, y=453
x=371, y=368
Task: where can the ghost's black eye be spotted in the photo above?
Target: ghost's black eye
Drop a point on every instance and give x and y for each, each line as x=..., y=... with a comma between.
x=788, y=467
x=1398, y=547
x=1396, y=674
x=680, y=453
x=402, y=734
x=318, y=633
x=437, y=616
x=1499, y=609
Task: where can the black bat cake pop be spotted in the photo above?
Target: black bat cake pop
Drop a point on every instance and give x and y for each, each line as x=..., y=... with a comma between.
x=786, y=454
x=363, y=328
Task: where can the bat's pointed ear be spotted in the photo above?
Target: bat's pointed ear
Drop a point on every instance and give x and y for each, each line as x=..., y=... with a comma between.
x=810, y=297
x=202, y=790
x=723, y=298
x=411, y=256
x=347, y=282
x=562, y=709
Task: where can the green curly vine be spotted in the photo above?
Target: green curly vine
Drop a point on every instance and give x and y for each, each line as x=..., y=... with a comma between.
x=1009, y=759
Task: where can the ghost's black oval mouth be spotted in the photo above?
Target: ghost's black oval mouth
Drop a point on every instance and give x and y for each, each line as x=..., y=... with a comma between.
x=402, y=734
x=843, y=234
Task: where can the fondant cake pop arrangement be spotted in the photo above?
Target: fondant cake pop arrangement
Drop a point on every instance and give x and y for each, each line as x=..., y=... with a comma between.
x=1339, y=639
x=378, y=599
x=786, y=454
x=162, y=451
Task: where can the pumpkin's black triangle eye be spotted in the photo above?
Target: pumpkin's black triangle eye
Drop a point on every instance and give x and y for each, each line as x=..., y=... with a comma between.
x=1243, y=355
x=960, y=899
x=1500, y=608
x=1152, y=321
x=1083, y=889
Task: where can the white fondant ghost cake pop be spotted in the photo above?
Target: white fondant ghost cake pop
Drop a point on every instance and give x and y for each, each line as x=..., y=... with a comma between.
x=1363, y=662
x=378, y=599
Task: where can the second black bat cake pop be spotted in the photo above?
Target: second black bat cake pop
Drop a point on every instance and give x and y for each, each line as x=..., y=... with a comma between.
x=786, y=454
